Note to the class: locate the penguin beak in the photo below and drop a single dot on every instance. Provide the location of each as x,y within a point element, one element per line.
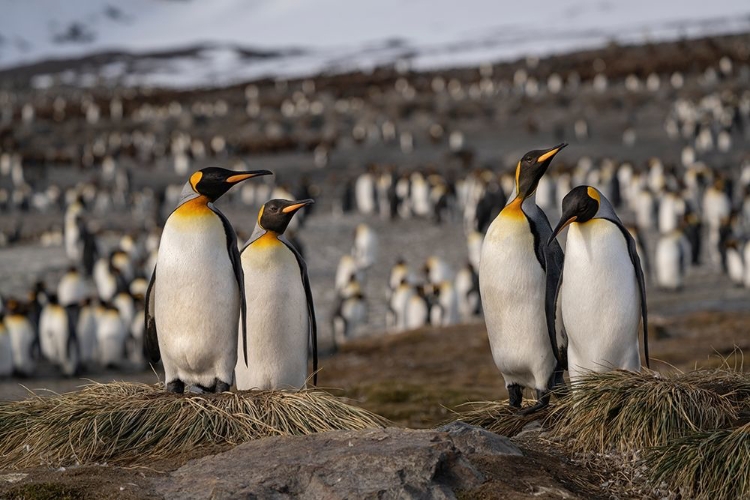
<point>560,226</point>
<point>297,206</point>
<point>234,179</point>
<point>550,153</point>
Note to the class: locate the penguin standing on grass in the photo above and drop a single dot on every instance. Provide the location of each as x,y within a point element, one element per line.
<point>282,314</point>
<point>517,278</point>
<point>602,293</point>
<point>197,292</point>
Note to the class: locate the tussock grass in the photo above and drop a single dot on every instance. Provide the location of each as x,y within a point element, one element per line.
<point>627,411</point>
<point>705,465</point>
<point>498,417</point>
<point>126,423</point>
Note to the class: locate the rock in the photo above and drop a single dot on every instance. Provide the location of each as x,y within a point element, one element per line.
<point>470,439</point>
<point>380,463</point>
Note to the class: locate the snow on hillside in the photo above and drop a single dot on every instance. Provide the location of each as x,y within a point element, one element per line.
<point>300,37</point>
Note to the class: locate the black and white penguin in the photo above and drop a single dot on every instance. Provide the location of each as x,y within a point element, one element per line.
<point>348,314</point>
<point>110,337</point>
<point>518,274</point>
<point>467,290</point>
<point>57,336</point>
<point>671,259</point>
<point>396,314</point>
<point>197,294</point>
<point>281,316</point>
<point>22,337</point>
<point>602,293</point>
<point>72,288</point>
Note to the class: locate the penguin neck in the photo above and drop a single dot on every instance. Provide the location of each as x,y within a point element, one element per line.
<point>263,237</point>
<point>518,208</point>
<point>193,206</point>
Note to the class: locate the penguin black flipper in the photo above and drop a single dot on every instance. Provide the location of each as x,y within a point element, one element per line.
<point>633,252</point>
<point>313,325</point>
<point>151,341</point>
<point>552,306</point>
<point>234,257</point>
<point>72,314</point>
<point>551,259</point>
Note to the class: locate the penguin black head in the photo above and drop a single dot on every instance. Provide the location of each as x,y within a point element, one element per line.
<point>532,167</point>
<point>580,205</point>
<point>275,215</point>
<point>213,182</point>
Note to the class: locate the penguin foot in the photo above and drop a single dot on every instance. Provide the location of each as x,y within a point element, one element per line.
<point>176,386</point>
<point>515,395</point>
<point>220,386</point>
<point>542,402</point>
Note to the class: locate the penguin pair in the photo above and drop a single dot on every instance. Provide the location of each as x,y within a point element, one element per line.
<point>197,294</point>
<point>590,320</point>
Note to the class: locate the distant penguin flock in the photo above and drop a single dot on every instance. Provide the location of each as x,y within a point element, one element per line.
<point>152,271</point>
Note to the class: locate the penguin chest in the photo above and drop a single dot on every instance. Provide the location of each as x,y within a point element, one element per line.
<point>196,295</point>
<point>512,286</point>
<point>277,320</point>
<point>600,299</point>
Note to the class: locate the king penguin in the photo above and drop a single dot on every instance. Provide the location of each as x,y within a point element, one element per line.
<point>517,278</point>
<point>602,293</point>
<point>282,314</point>
<point>197,292</point>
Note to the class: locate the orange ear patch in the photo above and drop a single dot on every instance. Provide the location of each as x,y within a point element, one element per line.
<point>195,179</point>
<point>593,193</point>
<point>260,213</point>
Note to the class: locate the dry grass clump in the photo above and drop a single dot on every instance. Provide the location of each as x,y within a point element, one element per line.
<point>734,385</point>
<point>498,417</point>
<point>627,411</point>
<point>125,423</point>
<point>705,465</point>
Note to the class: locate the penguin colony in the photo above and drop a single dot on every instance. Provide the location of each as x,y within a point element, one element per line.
<point>687,213</point>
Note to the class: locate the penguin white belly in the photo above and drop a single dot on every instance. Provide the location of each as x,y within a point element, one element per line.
<point>399,302</point>
<point>86,334</point>
<point>71,290</point>
<point>735,267</point>
<point>417,313</point>
<point>512,287</point>
<point>21,335</point>
<point>668,270</point>
<point>277,322</point>
<point>600,300</point>
<point>196,301</point>
<point>111,339</point>
<point>53,333</point>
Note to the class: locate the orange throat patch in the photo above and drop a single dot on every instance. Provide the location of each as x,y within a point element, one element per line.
<point>269,239</point>
<point>197,207</point>
<point>513,209</point>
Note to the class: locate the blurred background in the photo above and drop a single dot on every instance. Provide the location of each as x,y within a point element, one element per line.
<point>404,120</point>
